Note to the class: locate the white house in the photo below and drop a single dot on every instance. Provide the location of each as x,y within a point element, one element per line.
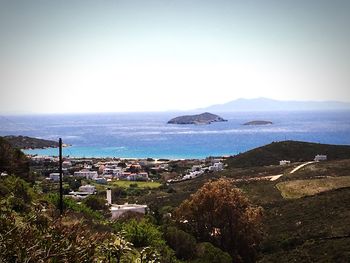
<point>118,210</point>
<point>112,172</point>
<point>192,175</point>
<point>216,167</point>
<point>284,162</point>
<point>138,177</point>
<point>66,164</point>
<point>320,157</point>
<point>86,173</point>
<point>87,188</point>
<point>54,177</point>
<point>78,195</point>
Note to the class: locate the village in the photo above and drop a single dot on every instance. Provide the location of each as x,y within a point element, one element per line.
<point>93,174</point>
<point>101,174</point>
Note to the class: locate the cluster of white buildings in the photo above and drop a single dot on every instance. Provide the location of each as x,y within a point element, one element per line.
<point>102,172</point>
<point>198,170</point>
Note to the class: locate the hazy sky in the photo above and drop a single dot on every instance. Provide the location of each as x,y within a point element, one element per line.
<point>146,55</point>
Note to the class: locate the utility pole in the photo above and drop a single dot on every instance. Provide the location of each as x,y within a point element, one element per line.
<point>60,167</point>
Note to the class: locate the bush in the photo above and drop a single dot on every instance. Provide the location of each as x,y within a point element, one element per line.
<point>207,253</point>
<point>71,204</point>
<point>143,233</point>
<point>96,203</point>
<point>181,242</point>
<point>39,238</point>
<point>17,192</point>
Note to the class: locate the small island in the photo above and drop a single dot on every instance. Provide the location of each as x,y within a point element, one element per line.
<point>204,118</point>
<point>258,123</point>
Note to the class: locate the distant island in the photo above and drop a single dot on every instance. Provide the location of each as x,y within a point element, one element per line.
<point>25,142</point>
<point>258,123</point>
<point>204,118</point>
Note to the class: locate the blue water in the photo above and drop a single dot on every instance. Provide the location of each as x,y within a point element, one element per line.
<point>140,135</point>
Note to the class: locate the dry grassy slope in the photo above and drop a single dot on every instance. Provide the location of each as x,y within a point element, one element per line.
<point>294,151</point>
<point>311,228</point>
<point>308,229</point>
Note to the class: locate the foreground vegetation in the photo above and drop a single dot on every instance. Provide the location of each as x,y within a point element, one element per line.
<point>218,217</point>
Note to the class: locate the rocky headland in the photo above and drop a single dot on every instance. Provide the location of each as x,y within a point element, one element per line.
<point>25,142</point>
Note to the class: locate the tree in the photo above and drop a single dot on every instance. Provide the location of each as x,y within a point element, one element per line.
<point>207,253</point>
<point>143,233</point>
<point>182,242</point>
<point>97,203</point>
<point>115,249</point>
<point>219,213</point>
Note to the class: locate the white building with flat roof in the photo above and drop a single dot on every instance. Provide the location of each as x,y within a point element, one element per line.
<point>284,162</point>
<point>118,210</point>
<point>86,173</point>
<point>54,177</point>
<point>320,157</point>
<point>216,167</point>
<point>87,188</point>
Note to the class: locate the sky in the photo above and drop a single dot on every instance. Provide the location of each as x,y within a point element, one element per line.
<point>163,55</point>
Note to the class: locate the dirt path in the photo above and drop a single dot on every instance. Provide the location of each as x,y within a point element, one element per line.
<point>301,166</point>
<point>275,177</point>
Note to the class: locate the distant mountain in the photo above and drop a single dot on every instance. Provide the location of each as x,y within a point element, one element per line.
<point>204,118</point>
<point>264,104</point>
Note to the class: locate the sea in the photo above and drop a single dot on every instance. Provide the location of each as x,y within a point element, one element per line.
<point>147,135</point>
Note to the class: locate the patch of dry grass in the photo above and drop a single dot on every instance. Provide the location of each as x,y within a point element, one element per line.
<point>300,188</point>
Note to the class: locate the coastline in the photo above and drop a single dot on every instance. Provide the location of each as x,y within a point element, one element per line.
<point>53,152</point>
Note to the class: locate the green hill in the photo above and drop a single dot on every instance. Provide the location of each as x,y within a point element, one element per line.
<point>295,151</point>
<point>25,142</point>
<point>12,160</point>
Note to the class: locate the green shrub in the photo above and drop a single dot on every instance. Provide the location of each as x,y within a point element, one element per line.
<point>71,204</point>
<point>18,193</point>
<point>207,253</point>
<point>181,242</point>
<point>143,233</point>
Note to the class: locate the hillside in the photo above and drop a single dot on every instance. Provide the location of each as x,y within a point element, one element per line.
<point>12,160</point>
<point>25,142</point>
<point>204,118</point>
<point>295,151</point>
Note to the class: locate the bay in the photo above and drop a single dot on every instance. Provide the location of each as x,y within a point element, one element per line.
<point>142,135</point>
